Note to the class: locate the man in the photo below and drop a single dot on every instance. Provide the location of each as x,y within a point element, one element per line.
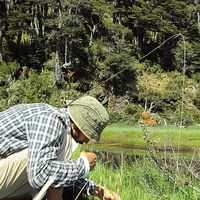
<point>36,142</point>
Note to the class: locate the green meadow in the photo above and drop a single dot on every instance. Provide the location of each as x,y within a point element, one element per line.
<point>133,137</point>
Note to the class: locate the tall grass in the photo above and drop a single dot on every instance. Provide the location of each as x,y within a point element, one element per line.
<point>140,180</point>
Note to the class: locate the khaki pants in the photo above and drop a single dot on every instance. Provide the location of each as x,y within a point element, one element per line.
<point>13,176</point>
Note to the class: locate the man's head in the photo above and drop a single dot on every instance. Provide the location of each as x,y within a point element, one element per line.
<point>78,136</point>
<point>88,116</point>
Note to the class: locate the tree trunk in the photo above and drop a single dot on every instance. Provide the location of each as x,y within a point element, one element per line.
<point>40,17</point>
<point>92,34</point>
<point>19,37</point>
<point>58,72</point>
<point>92,30</point>
<point>35,20</point>
<point>7,2</point>
<point>198,14</point>
<point>198,20</point>
<point>60,16</point>
<point>67,51</point>
<point>43,16</point>
<point>8,5</point>
<point>1,41</point>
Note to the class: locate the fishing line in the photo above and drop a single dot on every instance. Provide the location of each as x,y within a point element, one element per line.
<point>119,72</point>
<point>180,124</point>
<point>182,89</point>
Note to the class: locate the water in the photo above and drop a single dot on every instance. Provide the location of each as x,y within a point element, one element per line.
<point>117,155</point>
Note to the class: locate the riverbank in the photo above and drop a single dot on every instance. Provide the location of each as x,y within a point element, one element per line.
<point>136,176</point>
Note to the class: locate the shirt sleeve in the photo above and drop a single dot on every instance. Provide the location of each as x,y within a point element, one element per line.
<point>44,135</point>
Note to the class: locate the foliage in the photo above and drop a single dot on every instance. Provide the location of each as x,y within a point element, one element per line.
<point>35,88</point>
<point>8,72</point>
<point>124,81</point>
<point>167,93</point>
<point>32,87</point>
<point>192,59</point>
<point>133,113</point>
<point>53,50</point>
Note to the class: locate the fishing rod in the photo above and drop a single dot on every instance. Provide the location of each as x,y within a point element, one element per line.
<point>42,192</point>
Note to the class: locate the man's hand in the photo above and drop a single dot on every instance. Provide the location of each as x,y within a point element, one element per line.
<point>105,194</point>
<point>110,195</point>
<point>91,158</point>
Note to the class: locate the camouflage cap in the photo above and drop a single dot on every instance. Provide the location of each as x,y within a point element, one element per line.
<point>89,115</point>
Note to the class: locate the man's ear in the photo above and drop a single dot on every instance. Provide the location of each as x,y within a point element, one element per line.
<point>74,125</point>
<point>75,128</point>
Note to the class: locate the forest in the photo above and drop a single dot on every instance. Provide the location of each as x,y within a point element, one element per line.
<point>130,54</point>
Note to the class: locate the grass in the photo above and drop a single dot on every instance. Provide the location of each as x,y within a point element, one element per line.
<point>140,181</point>
<point>132,136</point>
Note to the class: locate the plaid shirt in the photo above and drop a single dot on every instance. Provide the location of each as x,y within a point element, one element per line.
<point>41,128</point>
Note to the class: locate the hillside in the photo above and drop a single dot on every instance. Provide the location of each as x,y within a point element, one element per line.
<point>129,54</point>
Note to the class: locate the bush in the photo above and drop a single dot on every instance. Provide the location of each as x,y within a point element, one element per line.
<point>130,115</point>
